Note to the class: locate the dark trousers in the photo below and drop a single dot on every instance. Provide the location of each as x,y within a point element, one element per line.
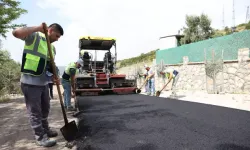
<point>51,90</point>
<point>38,106</point>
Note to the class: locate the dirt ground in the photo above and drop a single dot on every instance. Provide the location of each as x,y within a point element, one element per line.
<point>16,132</point>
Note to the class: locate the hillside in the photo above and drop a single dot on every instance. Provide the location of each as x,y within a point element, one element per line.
<point>227,30</point>
<point>148,57</point>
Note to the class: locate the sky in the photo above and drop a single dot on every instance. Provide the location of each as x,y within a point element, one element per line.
<point>136,25</point>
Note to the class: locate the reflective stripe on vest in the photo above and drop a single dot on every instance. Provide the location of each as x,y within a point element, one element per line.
<point>66,73</point>
<point>35,56</point>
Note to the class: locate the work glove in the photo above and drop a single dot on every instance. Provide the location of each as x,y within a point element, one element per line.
<point>57,81</point>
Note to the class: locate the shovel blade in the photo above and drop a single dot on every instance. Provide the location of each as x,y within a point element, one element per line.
<point>157,93</point>
<point>69,131</point>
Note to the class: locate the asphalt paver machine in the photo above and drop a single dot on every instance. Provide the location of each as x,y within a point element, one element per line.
<point>100,77</point>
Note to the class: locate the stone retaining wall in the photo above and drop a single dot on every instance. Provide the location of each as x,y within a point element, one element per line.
<point>233,78</point>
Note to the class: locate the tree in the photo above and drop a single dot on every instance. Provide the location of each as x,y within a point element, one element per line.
<point>228,31</point>
<point>9,68</point>
<point>248,26</point>
<point>198,28</point>
<point>9,74</point>
<point>9,11</point>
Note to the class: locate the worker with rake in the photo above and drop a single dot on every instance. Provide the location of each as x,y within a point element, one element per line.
<point>171,74</point>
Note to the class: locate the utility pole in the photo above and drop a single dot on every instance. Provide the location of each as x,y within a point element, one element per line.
<point>233,19</point>
<point>247,15</point>
<point>223,21</point>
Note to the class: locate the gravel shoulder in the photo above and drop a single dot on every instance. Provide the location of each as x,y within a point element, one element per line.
<point>15,131</point>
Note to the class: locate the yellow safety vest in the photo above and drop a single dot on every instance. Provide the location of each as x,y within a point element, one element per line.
<point>35,56</point>
<point>81,53</point>
<point>53,53</point>
<point>66,74</point>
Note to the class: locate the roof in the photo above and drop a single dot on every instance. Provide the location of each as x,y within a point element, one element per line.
<point>96,43</point>
<point>175,35</point>
<point>97,38</point>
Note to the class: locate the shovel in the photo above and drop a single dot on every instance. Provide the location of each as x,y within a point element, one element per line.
<point>69,130</point>
<point>159,92</point>
<point>139,90</point>
<point>77,112</point>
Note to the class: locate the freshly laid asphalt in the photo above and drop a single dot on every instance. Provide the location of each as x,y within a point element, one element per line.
<point>139,122</point>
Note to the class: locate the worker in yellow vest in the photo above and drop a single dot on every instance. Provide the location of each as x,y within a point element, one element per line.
<point>68,82</point>
<point>171,74</point>
<point>34,79</point>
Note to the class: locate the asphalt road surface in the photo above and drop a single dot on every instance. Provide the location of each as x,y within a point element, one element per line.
<point>139,122</point>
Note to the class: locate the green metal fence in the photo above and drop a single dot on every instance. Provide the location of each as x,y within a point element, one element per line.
<point>195,51</point>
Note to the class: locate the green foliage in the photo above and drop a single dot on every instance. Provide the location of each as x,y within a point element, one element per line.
<point>9,11</point>
<point>9,69</point>
<point>227,30</point>
<point>9,74</point>
<point>217,34</point>
<point>198,29</point>
<point>247,26</point>
<point>142,58</point>
<point>241,25</point>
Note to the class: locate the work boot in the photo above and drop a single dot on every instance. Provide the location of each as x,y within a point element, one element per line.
<point>45,141</point>
<point>173,94</point>
<point>51,133</point>
<point>71,108</point>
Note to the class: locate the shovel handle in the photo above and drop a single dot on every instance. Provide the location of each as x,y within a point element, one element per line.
<point>163,87</point>
<point>143,83</point>
<point>54,71</point>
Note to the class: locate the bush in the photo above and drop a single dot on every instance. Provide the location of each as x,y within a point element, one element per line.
<point>9,74</point>
<point>142,58</point>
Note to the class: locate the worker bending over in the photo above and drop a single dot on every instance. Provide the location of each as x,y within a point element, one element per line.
<point>34,79</point>
<point>68,82</point>
<point>150,80</point>
<point>171,74</point>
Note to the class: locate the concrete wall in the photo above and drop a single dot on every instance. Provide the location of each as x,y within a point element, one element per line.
<point>169,42</point>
